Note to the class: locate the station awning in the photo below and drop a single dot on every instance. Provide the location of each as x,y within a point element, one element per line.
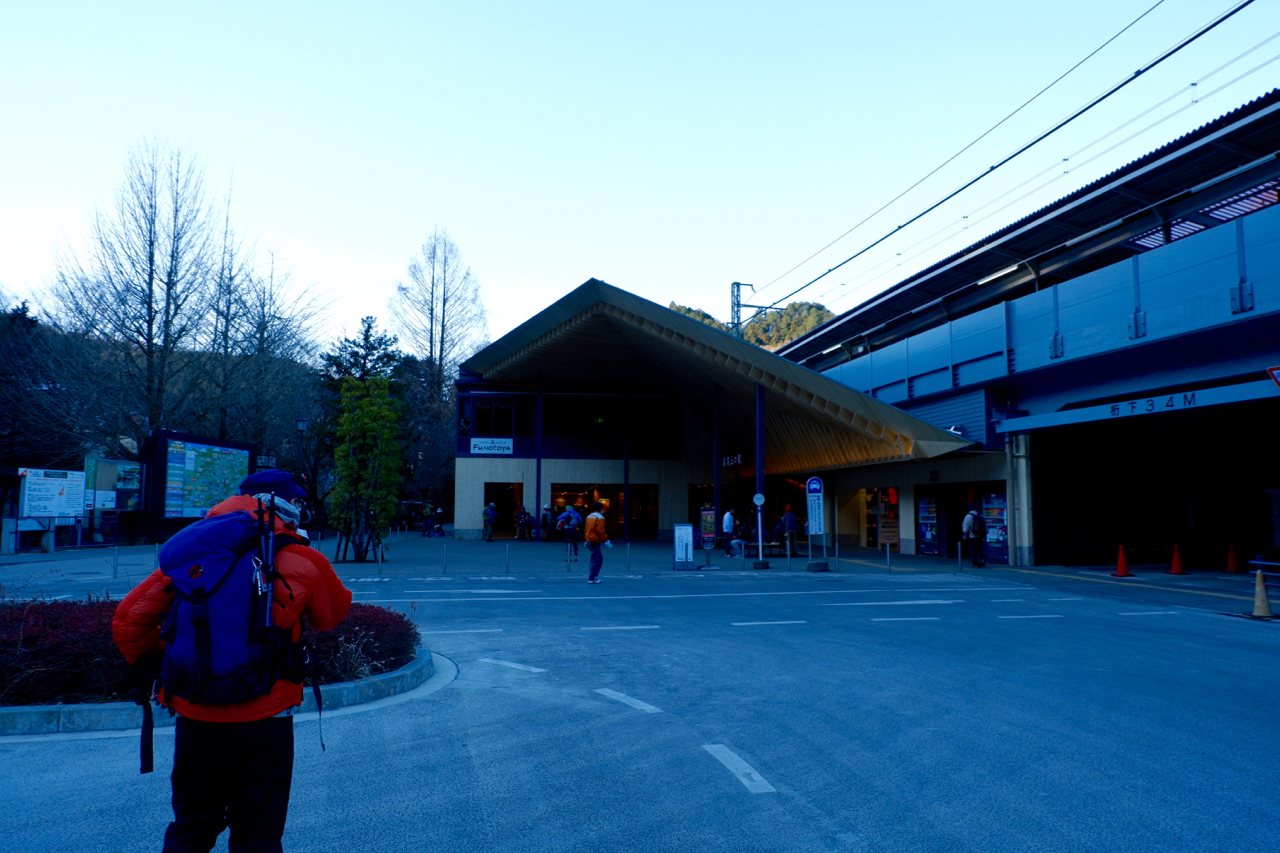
<point>600,335</point>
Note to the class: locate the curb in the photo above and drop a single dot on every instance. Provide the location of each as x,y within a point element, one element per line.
<point>108,716</point>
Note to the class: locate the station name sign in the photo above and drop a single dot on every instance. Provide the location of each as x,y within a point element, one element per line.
<point>504,446</point>
<point>1174,401</point>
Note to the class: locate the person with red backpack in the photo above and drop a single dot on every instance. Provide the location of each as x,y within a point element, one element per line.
<point>218,628</point>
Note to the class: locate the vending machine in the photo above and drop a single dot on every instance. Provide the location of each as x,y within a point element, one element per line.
<point>996,514</point>
<point>927,539</point>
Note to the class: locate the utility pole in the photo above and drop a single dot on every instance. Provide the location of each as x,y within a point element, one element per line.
<point>736,305</point>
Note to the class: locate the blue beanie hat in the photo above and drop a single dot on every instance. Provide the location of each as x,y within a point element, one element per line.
<point>275,481</point>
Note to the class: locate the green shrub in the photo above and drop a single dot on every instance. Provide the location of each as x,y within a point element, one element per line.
<point>55,652</point>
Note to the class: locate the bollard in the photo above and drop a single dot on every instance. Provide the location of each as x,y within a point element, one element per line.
<point>888,563</point>
<point>959,557</point>
<point>628,556</point>
<point>115,563</point>
<point>508,569</point>
<point>444,566</point>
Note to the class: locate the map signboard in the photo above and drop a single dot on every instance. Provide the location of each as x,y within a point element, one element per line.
<point>197,476</point>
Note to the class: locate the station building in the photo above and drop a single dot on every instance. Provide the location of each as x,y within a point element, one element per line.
<point>1113,356</point>
<point>1103,372</point>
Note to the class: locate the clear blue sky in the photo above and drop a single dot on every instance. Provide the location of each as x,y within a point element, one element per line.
<point>668,148</point>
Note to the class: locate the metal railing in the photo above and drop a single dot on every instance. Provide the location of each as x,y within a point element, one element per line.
<point>25,534</point>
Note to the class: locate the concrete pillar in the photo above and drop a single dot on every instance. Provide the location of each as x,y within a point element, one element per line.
<point>1020,476</point>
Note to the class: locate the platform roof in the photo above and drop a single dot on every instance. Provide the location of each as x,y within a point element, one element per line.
<point>600,335</point>
<point>1221,170</point>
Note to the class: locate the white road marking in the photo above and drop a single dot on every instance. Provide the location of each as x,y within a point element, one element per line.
<point>1047,616</point>
<point>469,631</point>
<point>745,772</point>
<point>512,665</point>
<point>905,619</point>
<point>367,580</point>
<point>692,594</point>
<point>474,591</point>
<point>622,628</point>
<point>886,603</point>
<point>627,700</point>
<point>1153,613</point>
<point>796,622</point>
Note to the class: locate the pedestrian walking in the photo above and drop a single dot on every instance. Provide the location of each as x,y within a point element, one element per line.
<point>597,540</point>
<point>523,522</point>
<point>184,629</point>
<point>726,527</point>
<point>974,531</point>
<point>569,524</point>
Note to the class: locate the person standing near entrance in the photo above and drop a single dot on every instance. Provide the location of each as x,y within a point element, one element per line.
<point>726,527</point>
<point>790,527</point>
<point>974,530</point>
<point>490,516</point>
<point>597,540</point>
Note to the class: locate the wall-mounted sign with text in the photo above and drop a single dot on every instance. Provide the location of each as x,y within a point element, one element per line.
<point>493,445</point>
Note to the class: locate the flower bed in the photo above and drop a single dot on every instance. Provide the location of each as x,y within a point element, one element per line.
<point>61,651</point>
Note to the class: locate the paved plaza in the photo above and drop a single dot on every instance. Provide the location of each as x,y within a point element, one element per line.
<point>915,708</point>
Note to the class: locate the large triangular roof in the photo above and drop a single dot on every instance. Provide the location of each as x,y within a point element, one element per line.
<point>603,335</point>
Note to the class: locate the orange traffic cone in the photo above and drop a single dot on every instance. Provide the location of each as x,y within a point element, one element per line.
<point>1261,607</point>
<point>1176,568</point>
<point>1232,567</point>
<point>1122,568</point>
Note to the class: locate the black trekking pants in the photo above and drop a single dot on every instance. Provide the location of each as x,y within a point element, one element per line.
<point>230,774</point>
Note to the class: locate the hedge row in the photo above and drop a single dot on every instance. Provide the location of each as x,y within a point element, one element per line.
<point>61,651</point>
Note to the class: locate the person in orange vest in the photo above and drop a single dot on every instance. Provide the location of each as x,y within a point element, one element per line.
<point>597,540</point>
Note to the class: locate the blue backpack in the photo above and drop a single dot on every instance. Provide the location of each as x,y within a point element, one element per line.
<point>220,644</point>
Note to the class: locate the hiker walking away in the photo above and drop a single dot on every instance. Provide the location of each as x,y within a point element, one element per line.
<point>233,742</point>
<point>568,524</point>
<point>547,523</point>
<point>490,516</point>
<point>597,540</point>
<point>790,527</point>
<point>974,530</point>
<point>726,527</point>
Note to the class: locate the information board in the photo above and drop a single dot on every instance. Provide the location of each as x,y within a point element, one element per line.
<point>682,538</point>
<point>46,493</point>
<point>197,476</point>
<point>708,528</point>
<point>817,516</point>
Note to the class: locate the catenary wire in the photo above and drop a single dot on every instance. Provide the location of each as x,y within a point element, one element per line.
<point>975,141</point>
<point>969,221</point>
<point>1063,123</point>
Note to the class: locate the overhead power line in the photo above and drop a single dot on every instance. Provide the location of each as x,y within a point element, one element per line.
<point>1086,108</point>
<point>978,139</point>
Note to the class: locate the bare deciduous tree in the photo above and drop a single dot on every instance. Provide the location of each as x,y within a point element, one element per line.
<point>144,282</point>
<point>439,313</point>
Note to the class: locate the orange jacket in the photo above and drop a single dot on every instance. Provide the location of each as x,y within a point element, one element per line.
<point>595,528</point>
<point>307,585</point>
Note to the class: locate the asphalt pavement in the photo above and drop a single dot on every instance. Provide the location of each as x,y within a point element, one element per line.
<point>916,708</point>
